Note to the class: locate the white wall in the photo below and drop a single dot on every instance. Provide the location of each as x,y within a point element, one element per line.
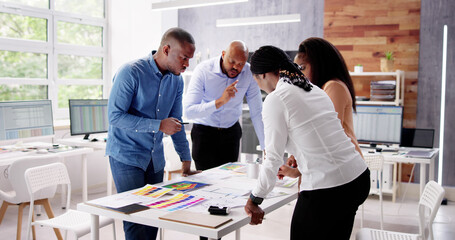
<point>135,30</point>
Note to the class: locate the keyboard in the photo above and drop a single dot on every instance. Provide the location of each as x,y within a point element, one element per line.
<point>390,149</point>
<point>384,148</point>
<point>60,149</point>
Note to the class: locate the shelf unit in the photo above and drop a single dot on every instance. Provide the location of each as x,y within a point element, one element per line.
<point>399,89</point>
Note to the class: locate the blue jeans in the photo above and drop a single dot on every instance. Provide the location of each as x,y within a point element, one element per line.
<point>126,178</point>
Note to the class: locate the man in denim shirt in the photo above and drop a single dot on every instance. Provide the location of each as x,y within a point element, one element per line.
<point>145,102</point>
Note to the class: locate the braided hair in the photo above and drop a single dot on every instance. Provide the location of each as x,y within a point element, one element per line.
<point>269,59</point>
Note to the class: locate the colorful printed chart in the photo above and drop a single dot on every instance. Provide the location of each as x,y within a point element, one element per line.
<point>152,191</point>
<point>231,166</point>
<point>185,185</point>
<point>178,202</point>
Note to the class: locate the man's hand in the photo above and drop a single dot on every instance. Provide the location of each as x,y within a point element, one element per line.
<point>255,212</point>
<point>170,126</point>
<point>228,93</point>
<point>186,169</point>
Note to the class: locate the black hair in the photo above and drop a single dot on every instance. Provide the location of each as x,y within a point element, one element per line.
<point>178,34</point>
<point>272,59</point>
<point>326,63</point>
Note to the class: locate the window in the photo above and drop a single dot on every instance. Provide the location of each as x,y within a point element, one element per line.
<point>52,49</point>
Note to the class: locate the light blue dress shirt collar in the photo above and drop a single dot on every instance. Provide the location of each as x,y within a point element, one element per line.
<point>208,83</point>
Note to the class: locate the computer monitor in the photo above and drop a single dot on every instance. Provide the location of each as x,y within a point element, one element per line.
<point>417,137</point>
<point>378,124</point>
<point>88,116</point>
<point>26,119</point>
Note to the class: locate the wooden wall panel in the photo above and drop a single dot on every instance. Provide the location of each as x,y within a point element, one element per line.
<point>364,29</point>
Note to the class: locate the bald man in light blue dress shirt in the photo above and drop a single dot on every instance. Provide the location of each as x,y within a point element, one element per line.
<point>214,103</point>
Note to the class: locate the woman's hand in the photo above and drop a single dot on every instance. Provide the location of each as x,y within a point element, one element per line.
<point>288,171</point>
<point>291,162</point>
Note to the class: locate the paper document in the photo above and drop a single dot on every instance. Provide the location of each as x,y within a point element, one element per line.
<point>209,177</point>
<point>232,166</point>
<point>184,186</point>
<point>286,182</point>
<point>420,154</point>
<point>140,196</point>
<point>203,220</point>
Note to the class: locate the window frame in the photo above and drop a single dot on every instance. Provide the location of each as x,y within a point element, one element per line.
<point>53,49</point>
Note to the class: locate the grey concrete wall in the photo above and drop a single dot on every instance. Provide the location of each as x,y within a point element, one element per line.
<point>201,23</point>
<point>434,14</point>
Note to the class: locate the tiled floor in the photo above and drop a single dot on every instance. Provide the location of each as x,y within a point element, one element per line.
<point>397,217</point>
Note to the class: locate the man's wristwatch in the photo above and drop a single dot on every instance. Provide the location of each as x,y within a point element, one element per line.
<point>256,200</point>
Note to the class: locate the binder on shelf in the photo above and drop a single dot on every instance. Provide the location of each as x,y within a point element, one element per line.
<point>382,90</point>
<point>387,176</point>
<point>383,85</point>
<point>382,97</point>
<point>374,181</point>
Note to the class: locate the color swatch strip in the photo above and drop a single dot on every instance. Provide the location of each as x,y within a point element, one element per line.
<point>179,201</point>
<point>152,191</point>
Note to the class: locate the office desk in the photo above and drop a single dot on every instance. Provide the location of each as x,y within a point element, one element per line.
<point>98,145</point>
<point>151,216</point>
<point>399,158</point>
<point>78,141</point>
<point>10,157</point>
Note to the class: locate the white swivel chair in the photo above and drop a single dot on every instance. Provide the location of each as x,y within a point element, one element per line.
<point>18,195</point>
<point>375,163</point>
<point>431,199</point>
<point>52,175</point>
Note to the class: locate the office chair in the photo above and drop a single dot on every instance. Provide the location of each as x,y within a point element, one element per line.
<point>18,195</point>
<point>52,175</point>
<point>431,199</point>
<point>375,163</point>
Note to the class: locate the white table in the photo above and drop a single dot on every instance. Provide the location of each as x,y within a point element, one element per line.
<point>10,157</point>
<point>151,217</point>
<point>99,145</point>
<point>78,141</point>
<point>399,158</point>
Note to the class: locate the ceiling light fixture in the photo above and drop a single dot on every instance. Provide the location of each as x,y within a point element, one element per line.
<point>229,22</point>
<point>178,4</point>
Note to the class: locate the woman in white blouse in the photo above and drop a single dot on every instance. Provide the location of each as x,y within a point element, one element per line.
<point>300,118</point>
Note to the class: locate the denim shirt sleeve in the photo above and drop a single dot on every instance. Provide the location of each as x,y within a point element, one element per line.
<point>122,93</point>
<point>254,99</point>
<point>181,144</point>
